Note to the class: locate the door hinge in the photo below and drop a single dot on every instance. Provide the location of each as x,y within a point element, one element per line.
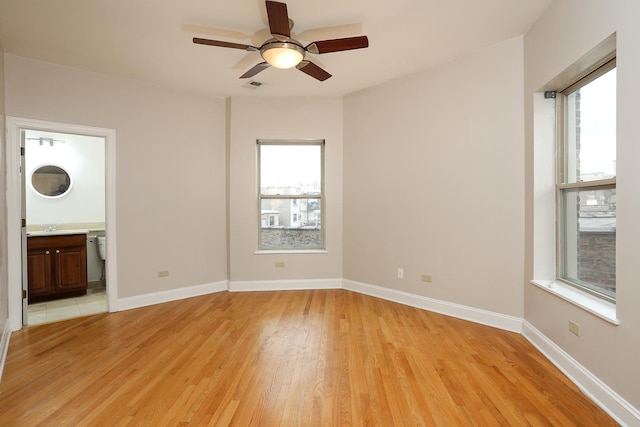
<point>24,294</point>
<point>23,223</point>
<point>22,151</point>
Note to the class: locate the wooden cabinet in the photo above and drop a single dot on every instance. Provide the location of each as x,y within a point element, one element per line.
<point>56,266</point>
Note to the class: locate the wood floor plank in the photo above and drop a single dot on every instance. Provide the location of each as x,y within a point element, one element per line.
<point>295,358</point>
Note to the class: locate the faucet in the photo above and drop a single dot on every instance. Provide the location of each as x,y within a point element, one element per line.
<point>50,227</point>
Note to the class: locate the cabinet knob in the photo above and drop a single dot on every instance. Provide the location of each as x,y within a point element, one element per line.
<point>57,251</point>
<point>46,252</point>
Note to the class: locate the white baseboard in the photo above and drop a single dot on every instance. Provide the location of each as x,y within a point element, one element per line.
<point>616,406</point>
<point>4,345</point>
<point>284,285</point>
<point>171,295</point>
<point>484,317</point>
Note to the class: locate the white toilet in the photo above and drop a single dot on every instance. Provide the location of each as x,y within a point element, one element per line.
<point>102,247</point>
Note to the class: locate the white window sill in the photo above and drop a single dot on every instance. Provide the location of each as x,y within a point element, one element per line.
<point>594,305</point>
<point>293,251</point>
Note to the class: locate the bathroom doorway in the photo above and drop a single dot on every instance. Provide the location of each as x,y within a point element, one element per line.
<point>62,188</point>
<point>64,194</point>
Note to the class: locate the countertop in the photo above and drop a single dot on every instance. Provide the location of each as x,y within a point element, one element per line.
<point>57,232</point>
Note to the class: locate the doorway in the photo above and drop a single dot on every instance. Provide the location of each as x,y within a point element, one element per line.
<point>21,192</point>
<point>64,196</point>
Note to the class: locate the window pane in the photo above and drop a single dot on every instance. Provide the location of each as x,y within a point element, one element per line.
<point>290,223</point>
<point>290,169</point>
<point>589,234</point>
<point>591,131</point>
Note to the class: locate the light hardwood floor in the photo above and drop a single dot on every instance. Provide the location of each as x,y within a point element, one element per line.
<point>295,358</point>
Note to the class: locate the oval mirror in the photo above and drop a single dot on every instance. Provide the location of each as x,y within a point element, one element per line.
<point>51,181</point>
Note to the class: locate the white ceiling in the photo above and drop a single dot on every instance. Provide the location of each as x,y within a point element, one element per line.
<point>150,40</point>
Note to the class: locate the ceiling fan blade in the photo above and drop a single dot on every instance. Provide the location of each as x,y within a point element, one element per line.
<point>215,32</point>
<point>256,39</point>
<point>278,19</point>
<point>255,70</point>
<point>218,43</point>
<point>344,30</point>
<point>245,62</point>
<point>338,45</point>
<point>313,70</point>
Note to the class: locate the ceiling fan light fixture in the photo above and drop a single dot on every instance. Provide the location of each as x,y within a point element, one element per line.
<point>282,54</point>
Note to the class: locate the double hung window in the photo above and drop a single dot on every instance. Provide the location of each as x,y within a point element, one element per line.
<point>586,183</point>
<point>291,195</point>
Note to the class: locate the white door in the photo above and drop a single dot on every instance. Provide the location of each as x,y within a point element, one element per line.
<point>23,231</point>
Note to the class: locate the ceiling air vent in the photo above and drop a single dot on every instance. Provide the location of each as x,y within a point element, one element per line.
<point>252,85</point>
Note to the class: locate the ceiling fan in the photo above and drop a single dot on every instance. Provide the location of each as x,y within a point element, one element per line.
<point>282,51</point>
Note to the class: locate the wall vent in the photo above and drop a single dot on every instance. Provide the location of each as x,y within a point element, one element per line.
<point>252,85</point>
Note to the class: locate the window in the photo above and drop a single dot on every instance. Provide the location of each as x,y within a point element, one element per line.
<point>291,195</point>
<point>586,184</point>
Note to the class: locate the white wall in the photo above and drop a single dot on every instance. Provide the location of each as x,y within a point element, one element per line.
<point>566,32</point>
<point>282,118</point>
<point>170,160</point>
<point>83,157</point>
<point>433,181</point>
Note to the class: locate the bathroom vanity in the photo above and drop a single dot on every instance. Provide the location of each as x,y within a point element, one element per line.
<point>56,266</point>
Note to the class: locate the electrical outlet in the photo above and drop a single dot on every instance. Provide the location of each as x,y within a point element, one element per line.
<point>163,273</point>
<point>401,273</point>
<point>427,278</point>
<point>574,328</point>
<point>279,264</point>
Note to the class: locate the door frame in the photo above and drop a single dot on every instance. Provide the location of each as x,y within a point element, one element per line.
<point>14,203</point>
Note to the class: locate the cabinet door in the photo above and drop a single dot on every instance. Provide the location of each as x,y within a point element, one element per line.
<point>39,272</point>
<point>71,268</point>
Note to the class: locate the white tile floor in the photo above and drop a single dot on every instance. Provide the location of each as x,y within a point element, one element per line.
<point>51,311</point>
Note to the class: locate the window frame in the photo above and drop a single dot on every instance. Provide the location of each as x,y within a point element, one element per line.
<point>562,186</point>
<point>294,197</point>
